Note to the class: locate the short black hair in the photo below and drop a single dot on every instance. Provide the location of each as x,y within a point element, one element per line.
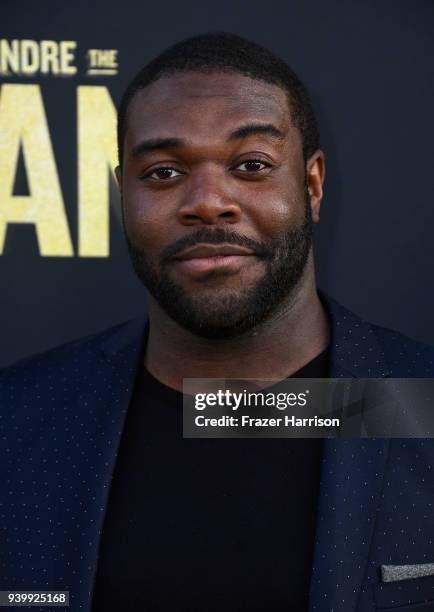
<point>228,53</point>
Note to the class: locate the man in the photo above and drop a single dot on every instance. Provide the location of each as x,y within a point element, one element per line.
<point>221,178</point>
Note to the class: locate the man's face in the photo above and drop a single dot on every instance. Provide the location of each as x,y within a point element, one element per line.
<point>216,210</point>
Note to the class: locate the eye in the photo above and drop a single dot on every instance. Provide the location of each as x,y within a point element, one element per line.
<point>252,165</point>
<point>163,173</point>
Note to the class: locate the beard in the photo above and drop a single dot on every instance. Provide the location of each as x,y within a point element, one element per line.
<point>228,313</point>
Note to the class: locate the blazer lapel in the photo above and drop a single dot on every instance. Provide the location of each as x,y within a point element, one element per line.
<point>351,477</point>
<point>121,355</point>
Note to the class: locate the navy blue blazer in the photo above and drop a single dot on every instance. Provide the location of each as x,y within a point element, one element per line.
<point>61,418</point>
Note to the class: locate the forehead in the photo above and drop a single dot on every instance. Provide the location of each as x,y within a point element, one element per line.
<point>190,104</point>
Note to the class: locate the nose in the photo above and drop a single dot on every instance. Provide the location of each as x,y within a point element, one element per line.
<point>208,201</point>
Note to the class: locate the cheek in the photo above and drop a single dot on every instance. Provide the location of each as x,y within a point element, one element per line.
<point>144,223</point>
<point>147,234</point>
<point>278,210</point>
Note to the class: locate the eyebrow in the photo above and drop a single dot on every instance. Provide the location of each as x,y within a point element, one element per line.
<point>250,129</point>
<point>253,129</point>
<point>155,144</point>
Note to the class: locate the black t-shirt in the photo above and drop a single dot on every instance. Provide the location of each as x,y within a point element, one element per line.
<point>206,524</point>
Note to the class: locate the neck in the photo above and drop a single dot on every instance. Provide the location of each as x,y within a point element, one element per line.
<point>293,336</point>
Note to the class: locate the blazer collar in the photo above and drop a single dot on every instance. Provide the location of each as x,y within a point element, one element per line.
<point>355,350</point>
<point>130,338</point>
<point>351,478</point>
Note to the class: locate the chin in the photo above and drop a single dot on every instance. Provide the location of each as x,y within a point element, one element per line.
<point>210,331</point>
<point>211,320</point>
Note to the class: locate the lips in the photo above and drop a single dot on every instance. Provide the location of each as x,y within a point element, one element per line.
<point>212,250</point>
<point>203,258</point>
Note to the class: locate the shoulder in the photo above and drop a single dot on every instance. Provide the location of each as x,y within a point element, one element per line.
<point>371,350</point>
<point>72,358</point>
<point>406,357</point>
<point>69,384</point>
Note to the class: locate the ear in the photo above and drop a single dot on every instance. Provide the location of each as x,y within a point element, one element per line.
<point>315,173</point>
<point>118,174</point>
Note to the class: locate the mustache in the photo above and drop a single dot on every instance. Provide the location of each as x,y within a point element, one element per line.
<point>217,236</point>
